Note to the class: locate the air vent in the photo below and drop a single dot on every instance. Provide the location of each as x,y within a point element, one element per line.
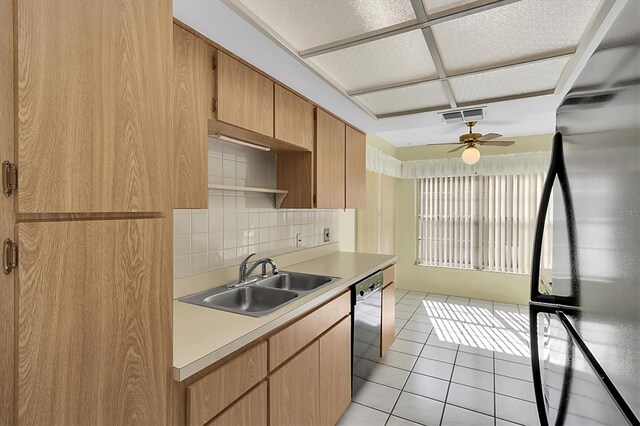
<point>463,115</point>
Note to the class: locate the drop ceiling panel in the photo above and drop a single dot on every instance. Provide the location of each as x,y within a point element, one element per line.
<point>309,23</point>
<point>512,32</point>
<point>437,6</point>
<point>420,96</point>
<point>520,79</point>
<point>389,60</point>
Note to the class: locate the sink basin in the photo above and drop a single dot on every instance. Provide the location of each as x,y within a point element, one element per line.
<point>261,296</point>
<point>295,281</point>
<point>248,300</point>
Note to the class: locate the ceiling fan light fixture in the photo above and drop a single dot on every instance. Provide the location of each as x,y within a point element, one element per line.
<point>471,155</point>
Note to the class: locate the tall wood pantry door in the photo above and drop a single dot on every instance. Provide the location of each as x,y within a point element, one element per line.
<point>94,322</point>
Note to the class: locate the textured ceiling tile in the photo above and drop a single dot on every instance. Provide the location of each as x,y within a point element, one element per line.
<point>515,31</point>
<point>425,95</point>
<point>437,6</point>
<point>516,80</point>
<point>385,61</point>
<point>309,23</point>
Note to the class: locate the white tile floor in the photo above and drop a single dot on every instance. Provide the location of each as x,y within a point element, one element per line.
<point>455,361</point>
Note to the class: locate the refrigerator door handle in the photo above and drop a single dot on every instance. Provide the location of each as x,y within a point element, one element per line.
<point>556,169</point>
<point>535,363</point>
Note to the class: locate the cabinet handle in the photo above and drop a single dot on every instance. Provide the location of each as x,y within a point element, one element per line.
<point>9,178</point>
<point>9,256</point>
<point>214,105</point>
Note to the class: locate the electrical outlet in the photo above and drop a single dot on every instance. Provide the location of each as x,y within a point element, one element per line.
<point>298,239</point>
<point>327,235</point>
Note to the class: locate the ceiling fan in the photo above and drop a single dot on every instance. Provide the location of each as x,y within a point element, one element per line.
<point>468,142</point>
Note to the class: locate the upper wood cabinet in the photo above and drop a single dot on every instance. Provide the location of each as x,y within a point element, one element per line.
<point>329,161</point>
<point>192,91</point>
<point>355,169</point>
<point>293,118</point>
<point>94,317</point>
<point>244,97</point>
<point>93,116</point>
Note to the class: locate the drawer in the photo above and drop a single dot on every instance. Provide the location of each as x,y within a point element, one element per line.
<point>213,393</point>
<point>388,275</point>
<point>293,338</point>
<point>250,410</point>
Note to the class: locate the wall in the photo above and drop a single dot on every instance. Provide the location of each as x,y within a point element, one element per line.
<point>503,287</point>
<point>347,230</point>
<point>238,223</point>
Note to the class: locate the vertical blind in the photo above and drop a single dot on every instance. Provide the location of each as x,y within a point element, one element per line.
<point>481,222</point>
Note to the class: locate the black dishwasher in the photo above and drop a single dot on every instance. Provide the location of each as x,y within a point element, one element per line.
<point>367,317</point>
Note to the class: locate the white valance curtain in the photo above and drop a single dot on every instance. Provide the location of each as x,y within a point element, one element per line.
<point>383,163</point>
<point>490,165</point>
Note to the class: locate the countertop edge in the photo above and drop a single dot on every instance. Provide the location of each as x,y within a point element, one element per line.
<point>182,373</point>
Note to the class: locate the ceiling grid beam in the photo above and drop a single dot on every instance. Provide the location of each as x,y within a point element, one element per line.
<point>470,9</point>
<point>502,66</point>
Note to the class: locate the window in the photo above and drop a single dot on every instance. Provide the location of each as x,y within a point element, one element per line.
<point>481,222</point>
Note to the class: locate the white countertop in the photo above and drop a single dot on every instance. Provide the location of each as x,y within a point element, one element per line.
<point>202,336</point>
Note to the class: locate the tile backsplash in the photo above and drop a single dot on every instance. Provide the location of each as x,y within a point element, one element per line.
<point>241,222</point>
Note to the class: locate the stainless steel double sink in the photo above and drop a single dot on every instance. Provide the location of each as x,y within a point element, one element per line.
<point>261,296</point>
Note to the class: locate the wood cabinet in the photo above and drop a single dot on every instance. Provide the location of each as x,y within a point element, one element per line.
<point>7,217</point>
<point>94,322</point>
<point>93,105</point>
<point>388,320</point>
<point>291,339</point>
<point>335,372</point>
<point>294,122</point>
<point>355,169</point>
<point>295,390</point>
<point>244,97</point>
<point>192,93</point>
<point>213,393</point>
<point>250,410</point>
<point>329,161</point>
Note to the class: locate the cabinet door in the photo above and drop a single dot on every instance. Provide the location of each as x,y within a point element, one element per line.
<point>293,118</point>
<point>388,332</point>
<point>294,390</point>
<point>245,97</point>
<point>7,217</point>
<point>192,92</point>
<point>94,322</point>
<point>93,81</point>
<point>250,410</point>
<point>335,372</point>
<point>329,155</point>
<point>355,169</point>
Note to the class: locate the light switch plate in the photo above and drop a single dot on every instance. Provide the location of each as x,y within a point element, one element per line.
<point>327,235</point>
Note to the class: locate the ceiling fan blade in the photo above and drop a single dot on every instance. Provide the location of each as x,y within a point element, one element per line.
<point>452,143</point>
<point>489,136</point>
<point>458,148</point>
<point>497,143</point>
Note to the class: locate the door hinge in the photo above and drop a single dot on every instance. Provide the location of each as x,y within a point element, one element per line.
<point>9,256</point>
<point>9,178</point>
<point>214,105</point>
<point>214,62</point>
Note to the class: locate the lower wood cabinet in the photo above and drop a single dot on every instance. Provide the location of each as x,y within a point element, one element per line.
<point>250,410</point>
<point>295,390</point>
<point>335,372</point>
<point>388,320</point>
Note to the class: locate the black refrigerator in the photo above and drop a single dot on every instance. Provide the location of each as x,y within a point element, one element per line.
<point>585,328</point>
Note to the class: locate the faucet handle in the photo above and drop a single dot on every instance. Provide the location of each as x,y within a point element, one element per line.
<point>246,259</point>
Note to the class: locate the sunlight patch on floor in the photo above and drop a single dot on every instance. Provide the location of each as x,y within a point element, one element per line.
<point>478,327</point>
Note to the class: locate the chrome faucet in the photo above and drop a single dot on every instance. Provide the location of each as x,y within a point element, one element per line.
<point>245,271</point>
